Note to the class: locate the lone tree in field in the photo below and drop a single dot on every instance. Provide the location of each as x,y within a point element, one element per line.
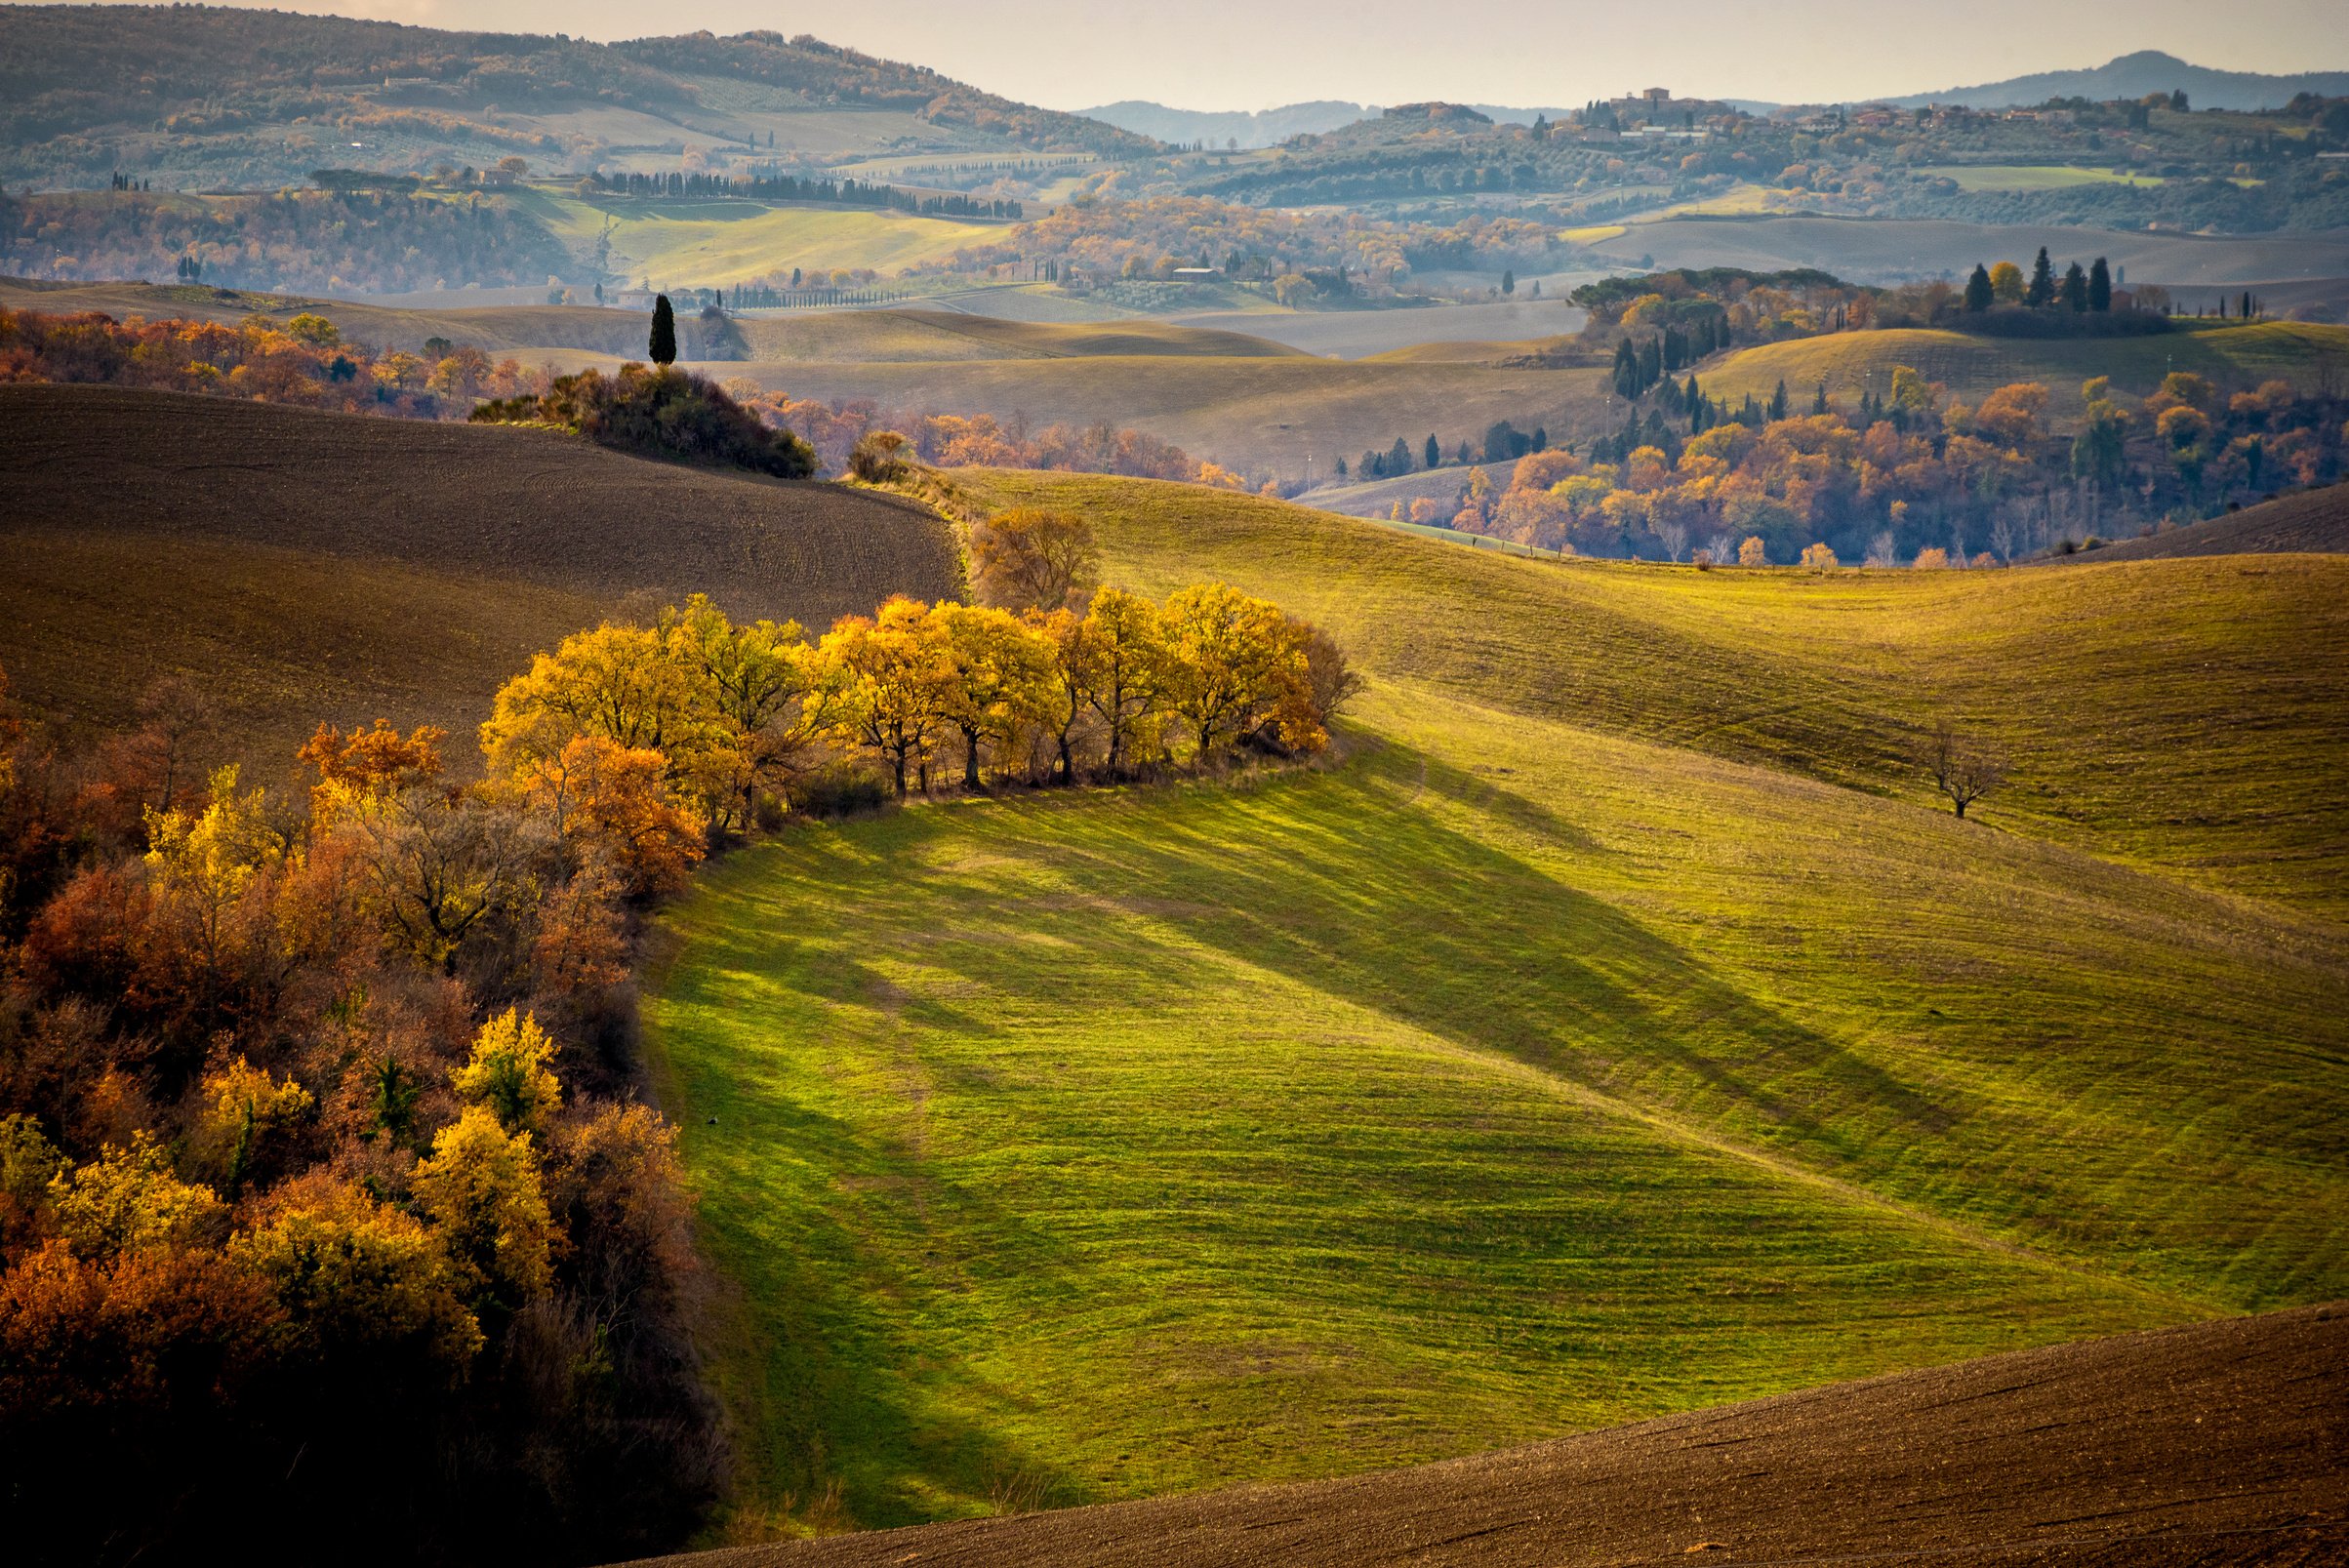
<point>1029,558</point>
<point>664,346</point>
<point>1963,768</point>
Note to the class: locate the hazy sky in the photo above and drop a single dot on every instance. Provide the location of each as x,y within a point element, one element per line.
<point>1254,54</point>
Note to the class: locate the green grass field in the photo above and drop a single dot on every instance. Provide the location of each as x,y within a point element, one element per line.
<point>709,244</point>
<point>2231,354</point>
<point>2032,177</point>
<point>1613,1028</point>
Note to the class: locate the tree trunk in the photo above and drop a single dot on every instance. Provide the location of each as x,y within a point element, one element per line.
<point>970,760</point>
<point>1067,764</point>
<point>898,761</point>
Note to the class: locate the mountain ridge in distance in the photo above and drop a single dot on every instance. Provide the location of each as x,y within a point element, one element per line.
<point>2128,76</point>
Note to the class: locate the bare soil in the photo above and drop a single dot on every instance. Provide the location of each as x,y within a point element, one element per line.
<point>2218,1444</point>
<point>2315,522</point>
<point>299,567</point>
<point>527,505</point>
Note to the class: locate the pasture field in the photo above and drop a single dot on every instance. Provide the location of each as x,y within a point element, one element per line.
<point>1613,1028</point>
<point>916,336</point>
<point>2032,177</point>
<point>2232,355</point>
<point>1260,414</point>
<point>711,244</point>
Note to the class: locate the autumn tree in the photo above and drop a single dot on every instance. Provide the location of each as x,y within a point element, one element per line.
<point>509,1072</point>
<point>609,801</point>
<point>1961,767</point>
<point>480,1194</point>
<point>1126,668</point>
<point>1032,558</point>
<point>765,697</point>
<point>1233,665</point>
<point>899,685</point>
<point>1000,677</point>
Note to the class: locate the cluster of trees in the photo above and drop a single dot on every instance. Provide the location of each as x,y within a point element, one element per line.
<point>1502,442</point>
<point>1673,319</point>
<point>1098,238</point>
<point>657,411</point>
<point>1910,474</point>
<point>303,361</point>
<point>772,185</point>
<point>834,428</point>
<point>324,1194</point>
<point>301,240</point>
<point>2079,291</point>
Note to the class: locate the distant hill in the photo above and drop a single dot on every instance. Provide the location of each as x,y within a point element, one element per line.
<point>197,97</point>
<point>1267,128</point>
<point>2149,71</point>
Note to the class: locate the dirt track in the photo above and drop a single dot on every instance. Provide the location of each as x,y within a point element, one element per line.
<point>2222,1443</point>
<point>2315,521</point>
<point>521,506</point>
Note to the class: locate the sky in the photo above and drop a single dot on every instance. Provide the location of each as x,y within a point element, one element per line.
<point>1257,53</point>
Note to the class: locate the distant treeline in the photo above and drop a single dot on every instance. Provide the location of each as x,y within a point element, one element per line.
<point>776,187</point>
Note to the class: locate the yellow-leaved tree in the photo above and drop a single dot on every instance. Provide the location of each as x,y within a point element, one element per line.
<point>509,1072</point>
<point>481,1195</point>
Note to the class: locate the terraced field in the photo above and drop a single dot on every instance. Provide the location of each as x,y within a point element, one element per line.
<point>1614,1028</point>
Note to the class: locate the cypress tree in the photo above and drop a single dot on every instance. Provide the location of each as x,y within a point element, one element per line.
<point>1398,457</point>
<point>664,346</point>
<point>2075,288</point>
<point>2100,286</point>
<point>1434,453</point>
<point>2041,292</point>
<point>1627,369</point>
<point>1778,402</point>
<point>1977,289</point>
<point>1818,404</point>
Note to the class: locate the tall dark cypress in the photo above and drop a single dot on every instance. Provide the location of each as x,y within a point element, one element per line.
<point>2100,286</point>
<point>2075,288</point>
<point>1977,289</point>
<point>664,346</point>
<point>2041,292</point>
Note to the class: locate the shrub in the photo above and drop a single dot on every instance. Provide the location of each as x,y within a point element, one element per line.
<point>658,413</point>
<point>878,457</point>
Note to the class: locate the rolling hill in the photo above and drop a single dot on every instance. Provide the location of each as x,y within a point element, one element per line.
<point>303,567</point>
<point>2236,356</point>
<point>2314,522</point>
<point>2133,76</point>
<point>200,98</point>
<point>1614,1029</point>
<point>2215,1445</point>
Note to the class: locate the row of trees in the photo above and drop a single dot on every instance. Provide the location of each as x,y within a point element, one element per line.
<point>771,185</point>
<point>1074,683</point>
<point>2076,291</point>
<point>302,361</point>
<point>1502,442</point>
<point>324,1195</point>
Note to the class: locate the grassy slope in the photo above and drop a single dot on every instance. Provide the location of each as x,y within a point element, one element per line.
<point>888,335</point>
<point>709,244</point>
<point>2108,683</point>
<point>2234,356</point>
<point>1254,413</point>
<point>1517,1074</point>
